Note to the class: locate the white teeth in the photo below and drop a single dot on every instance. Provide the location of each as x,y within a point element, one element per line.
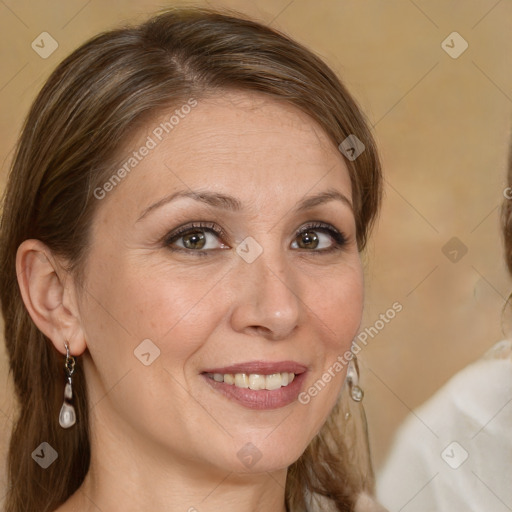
<point>229,379</point>
<point>241,380</point>
<point>273,381</point>
<point>255,381</point>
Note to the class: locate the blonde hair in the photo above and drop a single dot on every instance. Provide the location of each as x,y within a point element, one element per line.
<point>70,141</point>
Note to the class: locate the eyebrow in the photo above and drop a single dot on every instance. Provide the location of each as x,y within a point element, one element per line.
<point>231,203</point>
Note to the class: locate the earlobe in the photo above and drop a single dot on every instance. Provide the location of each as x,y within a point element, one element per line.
<point>46,290</point>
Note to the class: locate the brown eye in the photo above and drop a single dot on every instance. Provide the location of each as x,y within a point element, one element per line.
<point>197,238</point>
<point>194,240</point>
<point>307,240</point>
<point>318,237</point>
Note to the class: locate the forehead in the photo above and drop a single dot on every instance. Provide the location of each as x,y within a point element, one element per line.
<point>244,144</point>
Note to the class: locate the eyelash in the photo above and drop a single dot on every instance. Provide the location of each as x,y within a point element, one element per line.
<point>338,237</point>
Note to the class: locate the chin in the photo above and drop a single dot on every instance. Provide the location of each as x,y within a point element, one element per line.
<point>266,457</point>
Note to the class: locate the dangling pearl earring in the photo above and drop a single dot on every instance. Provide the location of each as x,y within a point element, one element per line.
<point>356,392</point>
<point>67,416</point>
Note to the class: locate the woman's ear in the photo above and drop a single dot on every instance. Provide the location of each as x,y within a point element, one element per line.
<point>49,294</point>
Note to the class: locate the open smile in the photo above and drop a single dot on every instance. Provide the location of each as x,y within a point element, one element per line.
<point>258,385</point>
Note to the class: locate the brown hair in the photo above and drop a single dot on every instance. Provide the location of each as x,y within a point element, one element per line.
<point>71,139</point>
<point>506,215</point>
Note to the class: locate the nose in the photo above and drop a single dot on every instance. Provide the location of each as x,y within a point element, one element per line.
<point>267,301</point>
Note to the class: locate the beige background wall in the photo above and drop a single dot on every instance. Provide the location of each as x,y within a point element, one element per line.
<point>443,128</point>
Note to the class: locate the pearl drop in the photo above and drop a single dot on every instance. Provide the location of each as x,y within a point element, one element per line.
<point>67,415</point>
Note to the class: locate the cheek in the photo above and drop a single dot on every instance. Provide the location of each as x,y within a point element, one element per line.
<point>130,301</point>
<point>336,310</point>
<point>338,304</point>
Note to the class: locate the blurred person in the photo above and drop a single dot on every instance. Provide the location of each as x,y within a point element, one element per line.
<point>455,451</point>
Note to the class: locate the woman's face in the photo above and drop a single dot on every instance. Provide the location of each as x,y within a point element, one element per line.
<point>231,246</point>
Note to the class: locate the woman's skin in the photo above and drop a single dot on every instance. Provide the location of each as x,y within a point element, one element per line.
<point>162,438</point>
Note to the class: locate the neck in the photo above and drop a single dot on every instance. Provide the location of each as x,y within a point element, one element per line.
<point>129,477</point>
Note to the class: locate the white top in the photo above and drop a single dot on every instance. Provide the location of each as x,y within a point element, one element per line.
<point>454,453</point>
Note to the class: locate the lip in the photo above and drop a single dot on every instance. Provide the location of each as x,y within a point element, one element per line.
<point>263,399</point>
<point>261,367</point>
